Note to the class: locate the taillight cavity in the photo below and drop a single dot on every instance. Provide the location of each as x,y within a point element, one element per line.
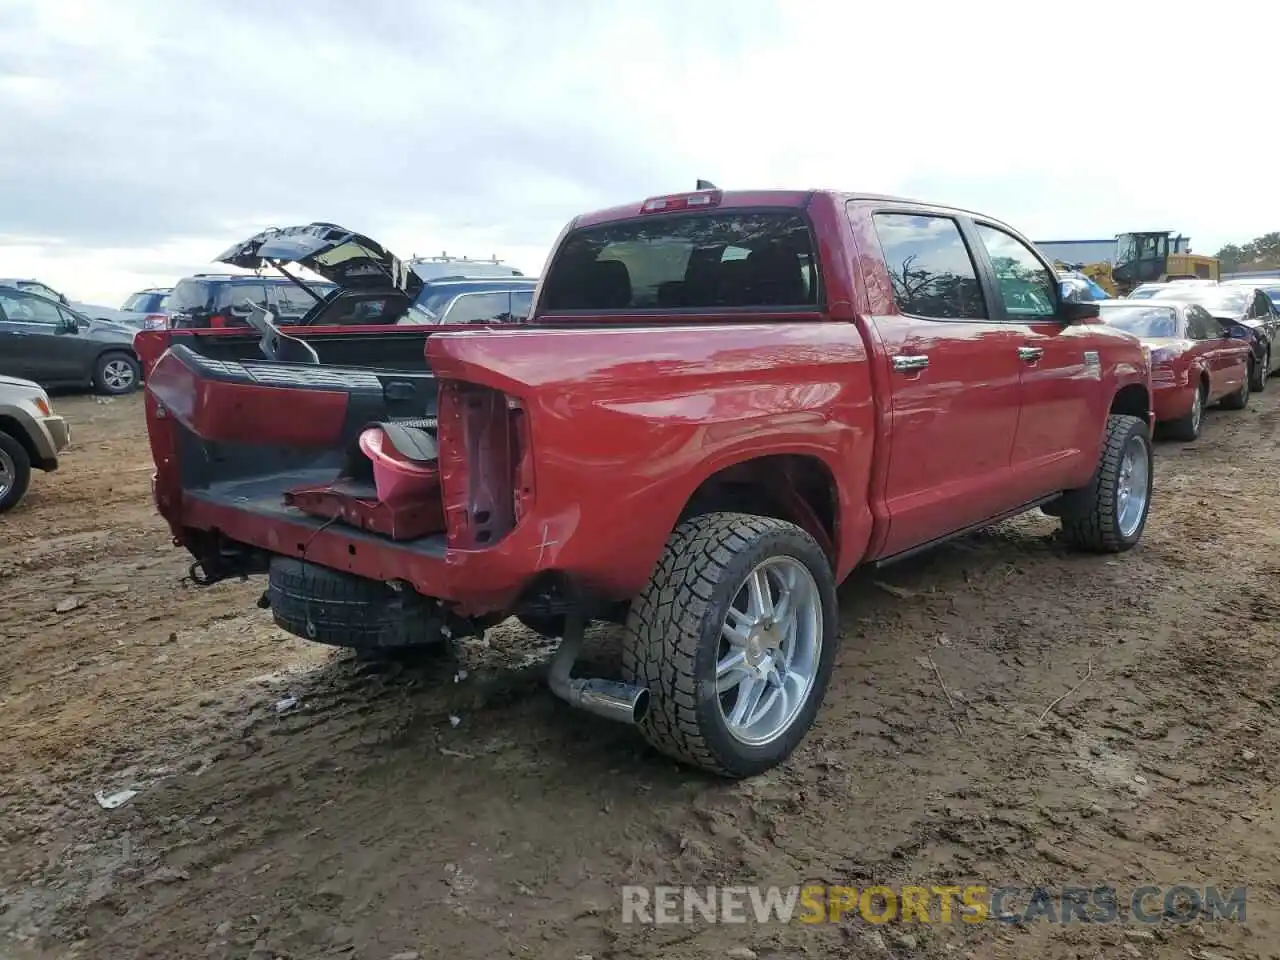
<point>477,455</point>
<point>521,459</point>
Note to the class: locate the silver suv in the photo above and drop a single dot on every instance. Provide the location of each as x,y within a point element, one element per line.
<point>31,436</point>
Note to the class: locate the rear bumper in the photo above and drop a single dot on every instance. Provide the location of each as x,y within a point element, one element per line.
<point>473,582</point>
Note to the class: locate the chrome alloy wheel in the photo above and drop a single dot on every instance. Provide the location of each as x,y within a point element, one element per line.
<point>770,647</point>
<point>1134,484</point>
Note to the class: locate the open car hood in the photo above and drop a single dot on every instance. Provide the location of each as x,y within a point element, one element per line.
<point>341,256</point>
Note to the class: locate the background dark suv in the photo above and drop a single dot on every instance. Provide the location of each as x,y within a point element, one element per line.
<point>44,340</point>
<point>217,299</point>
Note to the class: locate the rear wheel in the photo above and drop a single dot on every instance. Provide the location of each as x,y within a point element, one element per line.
<point>734,638</point>
<point>1188,428</point>
<point>15,472</point>
<point>1109,514</point>
<point>117,373</point>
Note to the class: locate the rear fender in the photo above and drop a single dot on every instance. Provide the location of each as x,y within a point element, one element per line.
<point>626,424</point>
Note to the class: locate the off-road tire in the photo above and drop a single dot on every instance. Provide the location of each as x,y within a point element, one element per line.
<point>1240,399</point>
<point>672,635</point>
<point>342,610</point>
<point>1261,373</point>
<point>1187,428</point>
<point>1089,514</point>
<point>100,368</point>
<point>16,453</point>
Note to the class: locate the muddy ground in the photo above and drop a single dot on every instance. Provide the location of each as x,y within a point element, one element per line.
<point>418,811</point>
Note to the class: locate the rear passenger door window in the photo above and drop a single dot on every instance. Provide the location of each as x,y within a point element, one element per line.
<point>929,264</point>
<point>1026,286</point>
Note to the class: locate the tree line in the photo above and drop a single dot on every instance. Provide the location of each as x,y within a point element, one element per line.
<point>1260,253</point>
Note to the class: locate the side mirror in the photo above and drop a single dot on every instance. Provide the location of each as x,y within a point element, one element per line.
<point>70,324</point>
<point>1237,332</point>
<point>1078,311</point>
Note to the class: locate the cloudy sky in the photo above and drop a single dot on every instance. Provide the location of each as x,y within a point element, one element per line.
<point>144,136</point>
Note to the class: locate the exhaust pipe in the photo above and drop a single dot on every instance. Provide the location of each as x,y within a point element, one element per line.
<point>624,702</point>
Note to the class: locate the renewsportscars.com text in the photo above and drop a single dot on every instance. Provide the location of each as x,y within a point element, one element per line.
<point>932,904</point>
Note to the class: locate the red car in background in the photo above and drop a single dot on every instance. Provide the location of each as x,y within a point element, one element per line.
<point>1195,360</point>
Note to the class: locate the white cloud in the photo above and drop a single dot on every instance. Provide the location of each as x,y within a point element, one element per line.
<point>153,136</point>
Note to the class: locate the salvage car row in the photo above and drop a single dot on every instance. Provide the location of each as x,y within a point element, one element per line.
<point>47,338</point>
<point>49,341</point>
<point>1210,343</point>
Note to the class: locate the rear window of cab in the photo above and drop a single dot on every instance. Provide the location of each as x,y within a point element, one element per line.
<point>745,260</point>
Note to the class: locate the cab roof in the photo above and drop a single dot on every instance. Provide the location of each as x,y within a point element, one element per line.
<point>738,199</point>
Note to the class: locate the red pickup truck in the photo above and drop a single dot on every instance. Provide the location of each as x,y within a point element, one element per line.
<point>721,404</point>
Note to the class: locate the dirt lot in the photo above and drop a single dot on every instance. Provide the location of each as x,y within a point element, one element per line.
<point>420,811</point>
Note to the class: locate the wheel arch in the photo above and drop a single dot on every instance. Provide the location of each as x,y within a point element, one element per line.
<point>797,487</point>
<point>125,348</point>
<point>14,428</point>
<point>1132,400</point>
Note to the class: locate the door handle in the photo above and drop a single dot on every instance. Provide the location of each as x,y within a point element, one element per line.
<point>1031,354</point>
<point>914,361</point>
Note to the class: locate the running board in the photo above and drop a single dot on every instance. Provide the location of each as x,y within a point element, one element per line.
<point>971,528</point>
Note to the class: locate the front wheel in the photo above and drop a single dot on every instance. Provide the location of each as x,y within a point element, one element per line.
<point>1260,373</point>
<point>734,637</point>
<point>116,374</point>
<point>1240,399</point>
<point>15,472</point>
<point>1188,428</point>
<point>1109,514</point>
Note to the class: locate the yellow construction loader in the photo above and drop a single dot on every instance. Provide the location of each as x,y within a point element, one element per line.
<point>1099,273</point>
<point>1157,257</point>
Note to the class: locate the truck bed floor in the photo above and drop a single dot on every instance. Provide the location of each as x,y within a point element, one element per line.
<point>262,496</point>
